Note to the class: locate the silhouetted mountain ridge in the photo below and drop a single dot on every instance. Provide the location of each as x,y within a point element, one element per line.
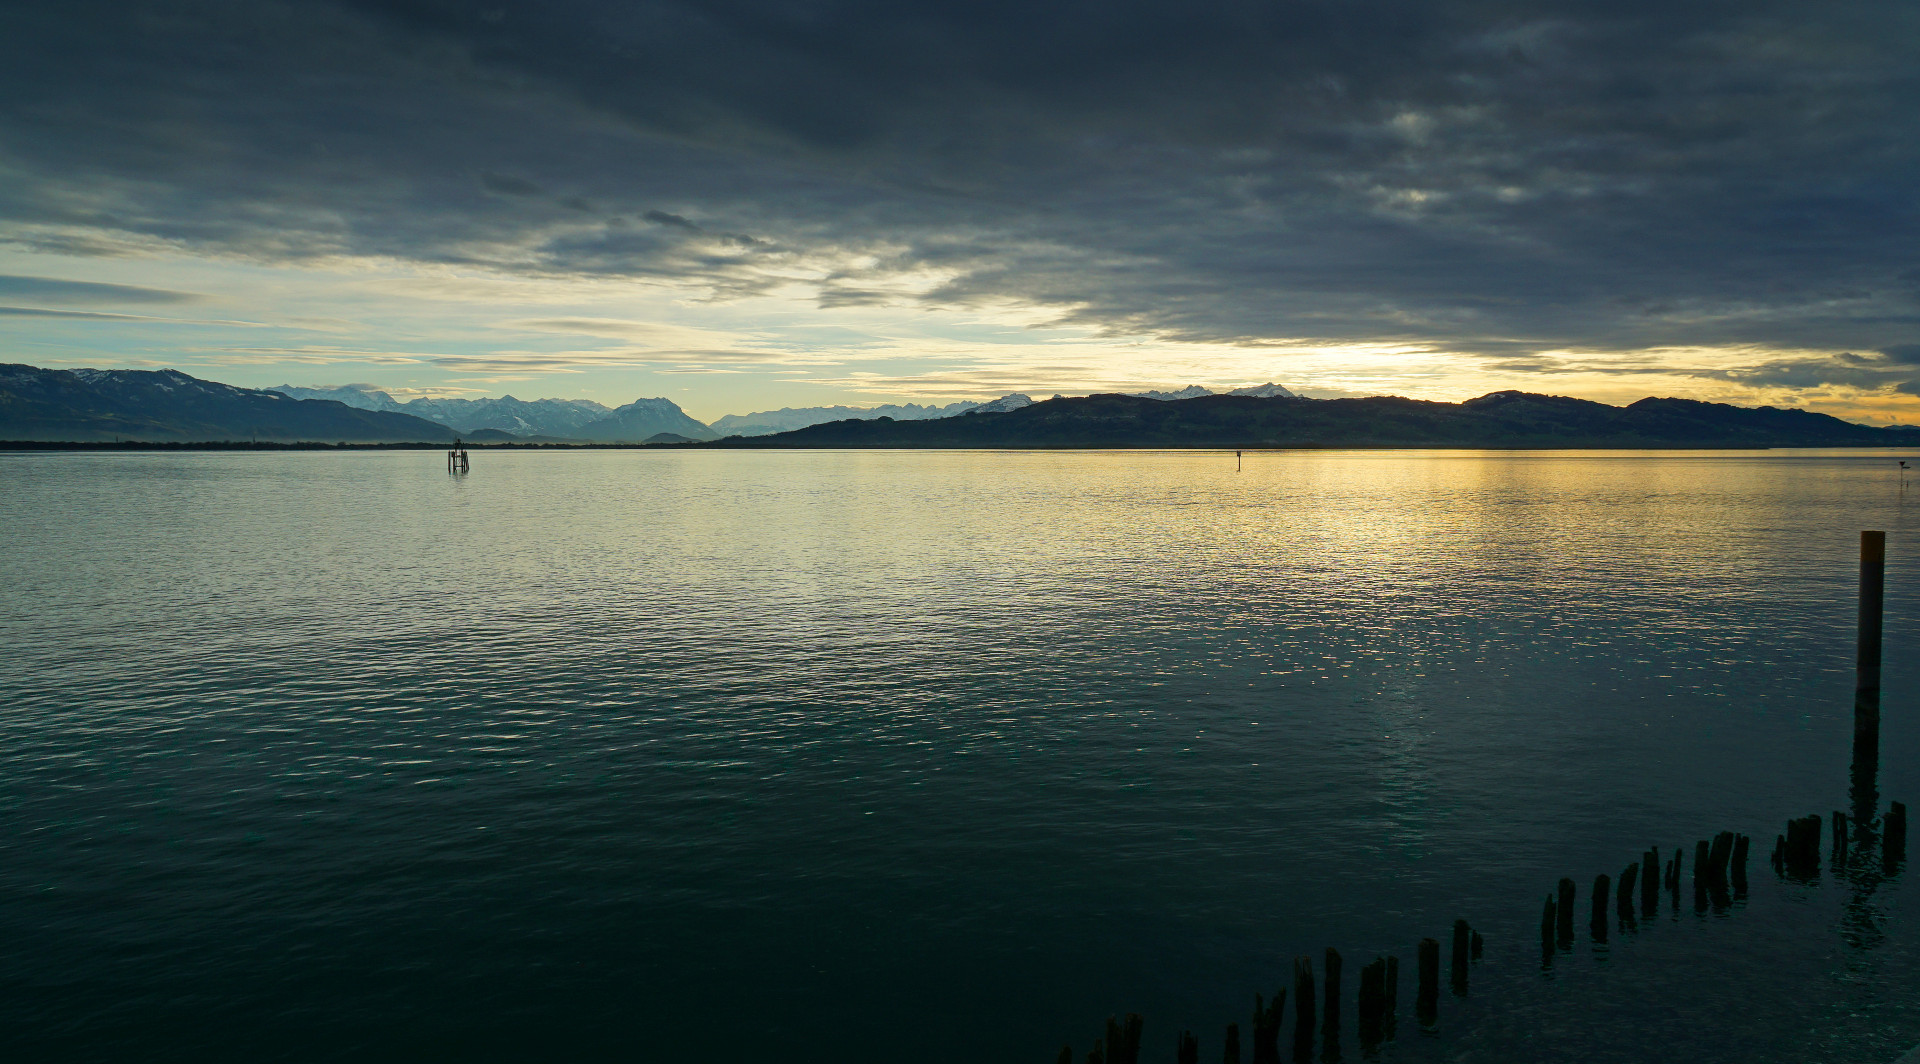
<point>1499,419</point>
<point>167,405</point>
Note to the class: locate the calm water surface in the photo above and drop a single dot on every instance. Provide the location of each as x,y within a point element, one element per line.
<point>945,757</point>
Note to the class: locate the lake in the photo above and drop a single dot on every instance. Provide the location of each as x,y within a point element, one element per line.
<point>935,756</point>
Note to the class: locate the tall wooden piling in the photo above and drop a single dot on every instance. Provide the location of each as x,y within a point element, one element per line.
<point>1564,912</point>
<point>1189,1051</point>
<point>1866,686</point>
<point>1597,924</point>
<point>1549,923</point>
<point>1098,1054</point>
<point>1123,1039</point>
<point>1801,847</point>
<point>1462,949</point>
<point>1330,1004</point>
<point>1629,876</point>
<point>1741,844</point>
<point>1266,1028</point>
<point>1650,886</point>
<point>1427,1004</point>
<point>1719,857</point>
<point>1231,1055</point>
<point>1393,991</point>
<point>1303,1008</point>
<point>1372,1011</point>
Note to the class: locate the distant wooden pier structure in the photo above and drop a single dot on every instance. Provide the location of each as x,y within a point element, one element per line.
<point>1720,885</point>
<point>457,458</point>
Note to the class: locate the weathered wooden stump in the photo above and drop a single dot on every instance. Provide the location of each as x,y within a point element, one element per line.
<point>1231,1055</point>
<point>1462,949</point>
<point>1372,1013</point>
<point>1564,912</point>
<point>1266,1028</point>
<point>1302,1008</point>
<point>1597,924</point>
<point>1427,1005</point>
<point>1330,1005</point>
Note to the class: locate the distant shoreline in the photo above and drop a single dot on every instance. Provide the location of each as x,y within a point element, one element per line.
<point>248,445</point>
<point>731,445</point>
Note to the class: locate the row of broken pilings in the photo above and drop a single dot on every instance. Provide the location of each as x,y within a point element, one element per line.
<point>1796,854</point>
<point>1719,879</point>
<point>1720,876</point>
<point>1316,1016</point>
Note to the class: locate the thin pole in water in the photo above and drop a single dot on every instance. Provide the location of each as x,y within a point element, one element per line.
<point>1236,462</point>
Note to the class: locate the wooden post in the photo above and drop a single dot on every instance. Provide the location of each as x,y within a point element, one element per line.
<point>1232,1053</point>
<point>1702,871</point>
<point>1598,924</point>
<point>1649,886</point>
<point>1741,843</point>
<point>1373,1004</point>
<point>1123,1042</point>
<point>1266,1028</point>
<point>1629,876</point>
<point>1674,871</point>
<point>1303,1008</point>
<point>1428,1003</point>
<point>1189,1051</point>
<point>1098,1054</point>
<point>1548,922</point>
<point>1393,993</point>
<point>1330,1004</point>
<point>1462,945</point>
<point>1564,910</point>
<point>1803,846</point>
<point>1718,858</point>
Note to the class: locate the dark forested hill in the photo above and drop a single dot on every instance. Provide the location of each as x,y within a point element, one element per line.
<point>1502,419</point>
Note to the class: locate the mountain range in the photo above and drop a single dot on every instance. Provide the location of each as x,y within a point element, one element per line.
<point>786,419</point>
<point>1501,419</point>
<point>90,405</point>
<point>574,419</point>
<point>166,405</point>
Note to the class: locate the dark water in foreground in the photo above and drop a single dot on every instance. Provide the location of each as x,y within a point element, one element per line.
<point>943,757</point>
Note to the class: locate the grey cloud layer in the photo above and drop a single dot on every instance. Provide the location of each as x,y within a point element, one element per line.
<point>1496,177</point>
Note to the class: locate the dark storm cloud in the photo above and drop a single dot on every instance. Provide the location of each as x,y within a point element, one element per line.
<point>1496,177</point>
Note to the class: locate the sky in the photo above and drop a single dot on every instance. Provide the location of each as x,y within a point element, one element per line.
<point>742,205</point>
